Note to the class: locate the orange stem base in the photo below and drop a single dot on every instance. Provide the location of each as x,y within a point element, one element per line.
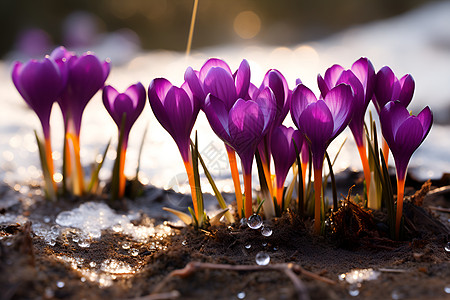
<point>236,181</point>
<point>190,173</point>
<point>400,193</point>
<point>248,195</point>
<point>317,198</point>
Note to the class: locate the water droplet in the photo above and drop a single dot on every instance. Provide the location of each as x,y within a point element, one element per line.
<point>47,219</point>
<point>243,222</point>
<point>447,247</point>
<point>126,246</point>
<point>60,284</point>
<point>134,252</point>
<point>353,289</point>
<point>275,248</point>
<point>264,244</point>
<point>248,246</point>
<point>396,295</point>
<point>184,243</point>
<point>83,279</point>
<point>447,289</point>
<point>262,258</point>
<point>266,231</point>
<point>241,295</point>
<point>255,221</point>
<point>84,244</point>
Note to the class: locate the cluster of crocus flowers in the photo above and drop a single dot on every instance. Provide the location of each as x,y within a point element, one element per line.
<point>124,109</point>
<point>71,81</point>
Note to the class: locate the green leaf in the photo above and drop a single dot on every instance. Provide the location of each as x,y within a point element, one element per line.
<point>300,196</point>
<point>141,147</point>
<point>49,189</point>
<point>217,193</point>
<point>94,177</point>
<point>269,206</point>
<point>185,218</point>
<point>216,219</point>
<point>198,188</point>
<point>115,181</point>
<point>333,182</point>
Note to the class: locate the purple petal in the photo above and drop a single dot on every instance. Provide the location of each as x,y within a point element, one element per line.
<point>267,105</point>
<point>323,87</point>
<point>210,63</point>
<point>278,84</point>
<point>384,86</point>
<point>217,115</point>
<point>242,79</point>
<point>220,84</point>
<point>426,119</point>
<point>109,95</point>
<point>407,140</point>
<point>157,92</point>
<point>191,77</point>
<point>301,98</point>
<point>365,72</point>
<point>339,100</point>
<point>407,90</point>
<point>392,116</point>
<point>332,75</point>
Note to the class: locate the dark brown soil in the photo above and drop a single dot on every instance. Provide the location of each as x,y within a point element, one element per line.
<point>415,268</point>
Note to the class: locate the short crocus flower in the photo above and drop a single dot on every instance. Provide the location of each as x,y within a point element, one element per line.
<point>404,133</point>
<point>321,121</point>
<point>124,107</point>
<point>40,83</point>
<point>242,128</point>
<point>284,155</point>
<point>389,88</point>
<point>215,78</point>
<point>86,76</point>
<point>176,110</point>
<point>361,77</point>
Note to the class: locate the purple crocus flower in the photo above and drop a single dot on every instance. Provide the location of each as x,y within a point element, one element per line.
<point>361,77</point>
<point>131,103</point>
<point>389,88</point>
<point>86,76</point>
<point>321,121</point>
<point>242,128</point>
<point>176,109</point>
<point>40,83</point>
<point>128,105</point>
<point>283,153</point>
<point>403,133</point>
<point>215,78</point>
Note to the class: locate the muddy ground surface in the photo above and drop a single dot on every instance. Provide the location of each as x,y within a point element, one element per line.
<point>416,267</point>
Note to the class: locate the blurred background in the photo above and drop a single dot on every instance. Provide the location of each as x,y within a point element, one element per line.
<point>33,27</point>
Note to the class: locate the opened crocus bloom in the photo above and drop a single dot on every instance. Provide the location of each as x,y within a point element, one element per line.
<point>86,76</point>
<point>124,108</point>
<point>389,88</point>
<point>242,128</point>
<point>40,83</point>
<point>215,78</point>
<point>404,133</point>
<point>361,77</point>
<point>283,153</point>
<point>321,121</point>
<point>176,110</point>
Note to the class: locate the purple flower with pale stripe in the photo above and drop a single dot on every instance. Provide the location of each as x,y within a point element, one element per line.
<point>403,133</point>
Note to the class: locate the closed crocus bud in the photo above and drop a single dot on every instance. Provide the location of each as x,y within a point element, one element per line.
<point>176,109</point>
<point>403,133</point>
<point>284,154</point>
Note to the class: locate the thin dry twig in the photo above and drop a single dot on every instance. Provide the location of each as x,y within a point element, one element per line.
<point>291,270</point>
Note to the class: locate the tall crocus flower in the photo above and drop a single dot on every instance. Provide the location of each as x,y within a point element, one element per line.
<point>404,133</point>
<point>124,109</point>
<point>215,78</point>
<point>389,88</point>
<point>176,109</point>
<point>278,84</point>
<point>361,77</point>
<point>40,83</point>
<point>321,121</point>
<point>242,127</point>
<point>86,76</point>
<point>283,153</point>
